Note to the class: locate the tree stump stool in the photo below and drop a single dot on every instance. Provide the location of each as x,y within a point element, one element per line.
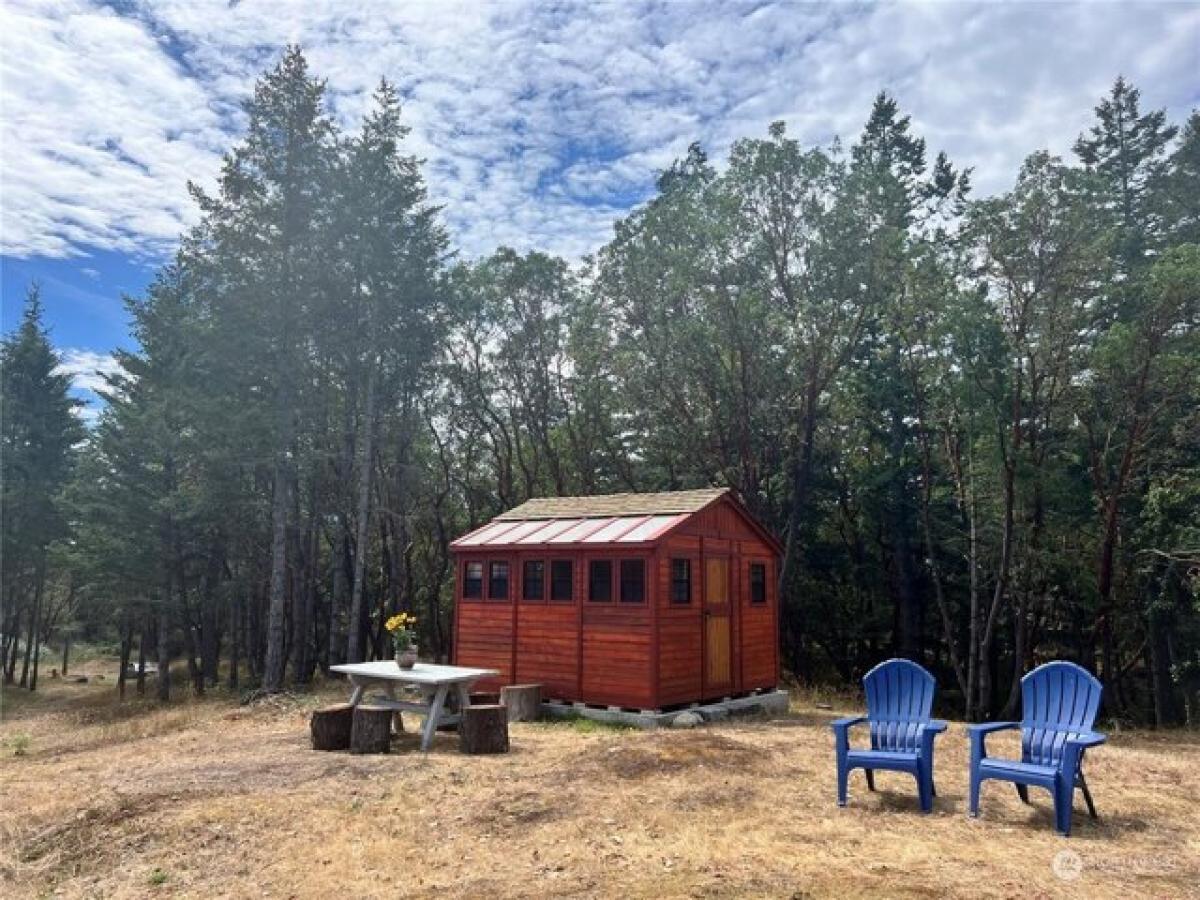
<point>523,701</point>
<point>371,731</point>
<point>483,729</point>
<point>330,727</point>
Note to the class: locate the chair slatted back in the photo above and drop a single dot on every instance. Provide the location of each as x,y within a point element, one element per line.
<point>1058,700</point>
<point>899,700</point>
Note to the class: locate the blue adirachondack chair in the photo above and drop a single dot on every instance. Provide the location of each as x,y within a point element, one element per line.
<point>899,698</point>
<point>1059,702</point>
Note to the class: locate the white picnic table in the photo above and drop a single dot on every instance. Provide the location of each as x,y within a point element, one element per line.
<point>434,681</point>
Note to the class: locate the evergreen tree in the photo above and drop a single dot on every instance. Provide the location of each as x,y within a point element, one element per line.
<point>39,432</point>
<point>1127,148</point>
<point>266,237</point>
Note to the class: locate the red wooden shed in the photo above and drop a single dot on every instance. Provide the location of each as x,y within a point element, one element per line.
<point>640,601</point>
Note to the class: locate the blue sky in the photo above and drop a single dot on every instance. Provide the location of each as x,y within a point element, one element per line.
<point>540,122</point>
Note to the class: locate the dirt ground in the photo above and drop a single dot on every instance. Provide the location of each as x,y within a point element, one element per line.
<point>210,798</point>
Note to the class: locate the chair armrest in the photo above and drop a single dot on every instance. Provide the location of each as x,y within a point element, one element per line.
<point>1073,750</point>
<point>989,727</point>
<point>927,733</point>
<point>1090,739</point>
<point>841,732</point>
<point>843,724</point>
<point>979,732</point>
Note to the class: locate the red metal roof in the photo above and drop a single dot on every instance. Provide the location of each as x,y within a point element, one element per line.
<point>565,532</point>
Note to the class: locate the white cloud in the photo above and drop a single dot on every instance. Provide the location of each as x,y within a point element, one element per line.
<point>87,369</point>
<point>539,123</point>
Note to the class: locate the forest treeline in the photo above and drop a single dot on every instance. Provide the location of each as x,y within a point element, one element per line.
<point>974,423</point>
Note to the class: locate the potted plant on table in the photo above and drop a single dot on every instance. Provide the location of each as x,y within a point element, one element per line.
<point>403,629</point>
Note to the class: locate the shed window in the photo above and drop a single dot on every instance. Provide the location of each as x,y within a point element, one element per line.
<point>758,584</point>
<point>562,580</point>
<point>633,581</point>
<point>681,581</point>
<point>498,581</point>
<point>600,581</point>
<point>533,580</point>
<point>473,581</point>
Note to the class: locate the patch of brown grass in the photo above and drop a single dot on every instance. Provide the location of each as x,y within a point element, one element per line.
<point>208,798</point>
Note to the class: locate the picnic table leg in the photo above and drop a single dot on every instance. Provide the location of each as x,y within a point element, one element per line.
<point>435,713</point>
<point>357,693</point>
<point>397,721</point>
<point>464,698</point>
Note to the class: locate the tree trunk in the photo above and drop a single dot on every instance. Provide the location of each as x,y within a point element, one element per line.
<point>339,556</point>
<point>302,619</point>
<point>235,638</point>
<point>210,644</point>
<point>31,634</point>
<point>989,630</point>
<point>164,658</point>
<point>801,472</point>
<point>1020,626</point>
<point>1160,621</point>
<point>273,670</point>
<point>365,467</point>
<point>37,652</point>
<point>126,650</point>
<point>974,604</point>
<point>141,669</point>
<point>66,653</point>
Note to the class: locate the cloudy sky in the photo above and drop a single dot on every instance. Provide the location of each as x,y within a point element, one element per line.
<point>540,122</point>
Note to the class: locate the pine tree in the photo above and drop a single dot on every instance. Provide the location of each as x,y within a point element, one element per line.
<point>1178,190</point>
<point>264,243</point>
<point>38,435</point>
<point>1126,148</point>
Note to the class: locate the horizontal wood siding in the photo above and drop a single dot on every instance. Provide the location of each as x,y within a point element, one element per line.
<point>616,656</point>
<point>548,647</point>
<point>485,639</point>
<point>679,642</point>
<point>760,634</point>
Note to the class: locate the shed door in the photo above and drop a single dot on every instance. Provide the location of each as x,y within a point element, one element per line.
<point>718,669</point>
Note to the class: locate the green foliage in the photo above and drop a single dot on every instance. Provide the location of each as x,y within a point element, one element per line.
<point>973,422</point>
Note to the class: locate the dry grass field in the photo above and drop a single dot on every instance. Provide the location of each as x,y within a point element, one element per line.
<point>213,799</point>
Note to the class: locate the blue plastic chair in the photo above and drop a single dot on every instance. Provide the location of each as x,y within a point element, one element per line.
<point>899,698</point>
<point>1059,703</point>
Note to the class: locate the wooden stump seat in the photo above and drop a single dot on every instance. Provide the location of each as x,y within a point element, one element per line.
<point>523,701</point>
<point>371,731</point>
<point>483,729</point>
<point>330,727</point>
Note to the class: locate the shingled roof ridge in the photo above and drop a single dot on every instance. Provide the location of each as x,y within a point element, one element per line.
<point>624,504</point>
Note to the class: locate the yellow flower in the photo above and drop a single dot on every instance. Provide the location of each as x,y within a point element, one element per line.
<point>399,621</point>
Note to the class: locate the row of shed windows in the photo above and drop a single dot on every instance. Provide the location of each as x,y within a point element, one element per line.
<point>631,581</point>
<point>631,584</point>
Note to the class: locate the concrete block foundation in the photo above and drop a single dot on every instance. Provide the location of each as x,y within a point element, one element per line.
<point>766,702</point>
